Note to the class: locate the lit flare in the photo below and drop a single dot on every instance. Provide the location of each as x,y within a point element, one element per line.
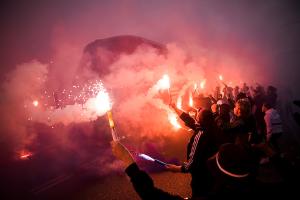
<point>202,84</point>
<point>35,103</point>
<point>146,157</point>
<point>221,77</point>
<point>25,154</point>
<point>179,103</point>
<point>173,120</point>
<point>164,82</point>
<point>191,103</point>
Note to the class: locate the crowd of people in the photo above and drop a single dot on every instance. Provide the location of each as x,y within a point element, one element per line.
<point>234,132</point>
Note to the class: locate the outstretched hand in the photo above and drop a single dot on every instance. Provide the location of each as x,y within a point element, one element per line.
<point>122,153</point>
<point>173,168</point>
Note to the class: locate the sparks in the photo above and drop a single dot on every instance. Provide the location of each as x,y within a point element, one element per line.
<point>103,102</point>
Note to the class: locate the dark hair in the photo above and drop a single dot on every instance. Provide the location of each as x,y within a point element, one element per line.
<point>240,95</point>
<point>245,107</point>
<point>267,105</point>
<point>272,89</point>
<point>206,118</point>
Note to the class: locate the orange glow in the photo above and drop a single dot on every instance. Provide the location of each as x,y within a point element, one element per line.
<point>110,119</point>
<point>173,120</point>
<point>35,103</point>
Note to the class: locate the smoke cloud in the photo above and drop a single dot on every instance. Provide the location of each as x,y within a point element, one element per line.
<point>203,39</point>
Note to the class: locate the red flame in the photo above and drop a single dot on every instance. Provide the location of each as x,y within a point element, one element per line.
<point>191,103</point>
<point>221,77</point>
<point>173,120</point>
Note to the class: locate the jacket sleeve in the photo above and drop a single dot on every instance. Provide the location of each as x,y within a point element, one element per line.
<point>188,165</point>
<point>189,121</point>
<point>143,185</point>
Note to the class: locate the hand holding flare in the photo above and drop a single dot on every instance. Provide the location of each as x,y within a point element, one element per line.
<point>122,153</point>
<point>146,157</point>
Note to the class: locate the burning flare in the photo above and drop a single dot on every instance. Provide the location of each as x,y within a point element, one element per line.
<point>146,157</point>
<point>164,83</point>
<point>191,103</point>
<point>110,119</point>
<point>24,154</point>
<point>221,77</point>
<point>179,102</point>
<point>202,84</point>
<point>103,102</point>
<point>35,103</point>
<point>173,120</point>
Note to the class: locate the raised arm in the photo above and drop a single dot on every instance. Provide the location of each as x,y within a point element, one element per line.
<point>141,181</point>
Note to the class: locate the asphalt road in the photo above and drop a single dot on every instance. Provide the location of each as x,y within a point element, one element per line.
<point>116,186</point>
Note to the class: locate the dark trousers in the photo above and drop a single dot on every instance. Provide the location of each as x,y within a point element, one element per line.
<point>274,142</point>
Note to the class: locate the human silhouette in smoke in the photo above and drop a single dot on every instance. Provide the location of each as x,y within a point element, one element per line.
<point>297,114</point>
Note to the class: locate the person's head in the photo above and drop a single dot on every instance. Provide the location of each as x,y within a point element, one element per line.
<point>236,89</point>
<point>223,107</point>
<point>242,108</point>
<point>202,102</point>
<point>259,90</point>
<point>241,95</point>
<point>224,110</point>
<point>271,90</point>
<point>266,106</point>
<point>205,118</point>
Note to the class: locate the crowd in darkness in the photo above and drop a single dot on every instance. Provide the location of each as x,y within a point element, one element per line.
<point>235,132</point>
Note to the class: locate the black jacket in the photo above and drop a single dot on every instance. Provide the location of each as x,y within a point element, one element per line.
<point>143,185</point>
<point>201,146</point>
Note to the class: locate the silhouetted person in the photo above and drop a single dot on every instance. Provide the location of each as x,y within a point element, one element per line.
<point>243,125</point>
<point>202,145</point>
<point>231,169</point>
<point>297,114</point>
<point>271,96</point>
<point>273,125</point>
<point>259,99</point>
